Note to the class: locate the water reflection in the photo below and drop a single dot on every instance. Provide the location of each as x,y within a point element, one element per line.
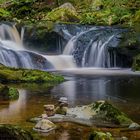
<point>121,91</point>
<point>82,90</point>
<point>15,108</point>
<point>89,89</point>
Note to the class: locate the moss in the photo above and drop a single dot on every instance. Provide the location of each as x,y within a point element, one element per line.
<point>97,12</point>
<point>8,74</point>
<point>62,14</point>
<point>111,113</point>
<point>10,132</point>
<point>96,135</point>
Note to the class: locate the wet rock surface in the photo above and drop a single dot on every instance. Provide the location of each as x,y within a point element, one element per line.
<point>100,113</point>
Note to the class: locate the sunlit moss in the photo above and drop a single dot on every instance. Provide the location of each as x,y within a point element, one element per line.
<point>8,74</point>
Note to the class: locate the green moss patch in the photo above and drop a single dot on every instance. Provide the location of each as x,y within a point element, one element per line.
<point>63,15</point>
<point>8,74</point>
<point>110,113</point>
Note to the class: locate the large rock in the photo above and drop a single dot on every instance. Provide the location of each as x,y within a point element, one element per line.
<point>9,132</point>
<point>101,111</point>
<point>109,113</point>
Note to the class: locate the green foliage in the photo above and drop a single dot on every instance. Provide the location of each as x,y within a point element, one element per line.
<point>96,12</point>
<point>4,13</point>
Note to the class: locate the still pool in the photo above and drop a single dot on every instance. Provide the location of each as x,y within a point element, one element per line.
<point>121,91</point>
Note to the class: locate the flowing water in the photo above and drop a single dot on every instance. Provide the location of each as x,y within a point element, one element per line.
<point>102,81</point>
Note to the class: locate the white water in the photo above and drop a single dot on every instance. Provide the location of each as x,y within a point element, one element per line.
<point>13,53</point>
<point>70,46</point>
<point>95,53</point>
<point>61,62</point>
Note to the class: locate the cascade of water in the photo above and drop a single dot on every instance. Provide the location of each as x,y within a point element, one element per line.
<point>13,53</point>
<point>90,47</point>
<point>10,33</point>
<point>70,46</point>
<point>86,48</point>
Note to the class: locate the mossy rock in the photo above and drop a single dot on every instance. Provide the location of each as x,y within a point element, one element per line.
<point>8,93</point>
<point>136,63</point>
<point>8,75</point>
<point>96,135</point>
<point>63,14</point>
<point>109,113</point>
<point>10,132</point>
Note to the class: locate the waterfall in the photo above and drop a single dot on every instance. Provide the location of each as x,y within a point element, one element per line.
<point>13,52</point>
<point>86,47</point>
<point>90,48</point>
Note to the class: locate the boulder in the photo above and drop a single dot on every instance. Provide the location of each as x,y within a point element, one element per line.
<point>108,112</point>
<point>103,112</point>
